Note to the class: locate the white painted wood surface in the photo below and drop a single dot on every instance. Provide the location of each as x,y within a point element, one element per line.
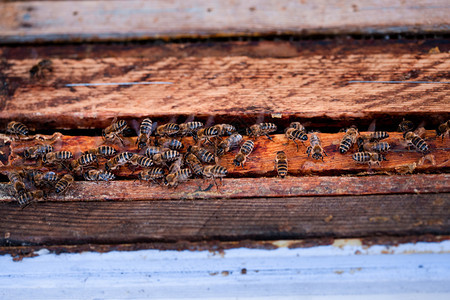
<point>24,21</point>
<point>344,270</point>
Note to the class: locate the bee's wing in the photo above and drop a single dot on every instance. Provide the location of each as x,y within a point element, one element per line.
<point>372,126</point>
<point>209,121</point>
<point>134,124</point>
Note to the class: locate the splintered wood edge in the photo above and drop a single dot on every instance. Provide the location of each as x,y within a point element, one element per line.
<point>252,187</point>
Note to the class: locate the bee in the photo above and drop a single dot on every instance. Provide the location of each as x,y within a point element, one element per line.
<point>374,147</point>
<point>244,152</point>
<point>30,174</point>
<point>202,154</point>
<point>118,160</point>
<point>103,151</point>
<point>173,144</point>
<point>161,159</point>
<point>298,126</point>
<point>176,165</point>
<point>17,129</point>
<point>173,179</point>
<point>405,126</point>
<point>83,161</point>
<point>213,172</point>
<point>14,177</point>
<point>57,157</point>
<point>444,129</point>
<point>194,164</point>
<point>316,148</point>
<point>27,198</point>
<point>152,150</point>
<point>145,130</point>
<point>98,175</point>
<point>281,164</point>
<point>348,139</point>
<point>368,157</point>
<point>261,129</point>
<point>37,151</point>
<point>39,69</point>
<point>45,178</point>
<point>224,129</point>
<point>141,161</point>
<point>16,181</point>
<point>206,134</point>
<point>374,136</point>
<point>64,183</point>
<point>229,143</point>
<point>295,134</point>
<point>167,129</point>
<point>416,141</point>
<point>189,128</point>
<point>152,174</point>
<point>115,130</point>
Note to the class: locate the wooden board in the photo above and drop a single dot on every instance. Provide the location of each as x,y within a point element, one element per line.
<point>224,219</point>
<point>34,21</point>
<point>321,89</point>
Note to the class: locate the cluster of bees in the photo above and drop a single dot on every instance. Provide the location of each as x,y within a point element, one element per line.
<point>162,162</point>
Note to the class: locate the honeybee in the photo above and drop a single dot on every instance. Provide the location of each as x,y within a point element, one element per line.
<point>405,126</point>
<point>176,165</point>
<point>39,69</point>
<point>295,134</point>
<point>161,159</point>
<point>444,129</point>
<point>141,161</point>
<point>98,175</point>
<point>83,161</point>
<point>348,139</point>
<point>17,128</point>
<point>115,130</point>
<point>374,147</point>
<point>167,129</point>
<point>202,154</point>
<point>194,164</point>
<point>374,136</point>
<point>37,151</point>
<point>45,178</point>
<point>27,198</point>
<point>152,174</point>
<point>206,134</point>
<point>152,150</point>
<point>57,157</point>
<point>16,181</point>
<point>145,130</point>
<point>244,152</point>
<point>281,164</point>
<point>229,143</point>
<point>103,151</point>
<point>224,129</point>
<point>189,128</point>
<point>170,143</point>
<point>261,129</point>
<point>173,179</point>
<point>213,172</point>
<point>298,126</point>
<point>412,139</point>
<point>368,157</point>
<point>316,148</point>
<point>64,183</point>
<point>118,160</point>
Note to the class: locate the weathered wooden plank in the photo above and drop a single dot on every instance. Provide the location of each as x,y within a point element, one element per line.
<point>250,187</point>
<point>224,219</point>
<point>261,162</point>
<point>117,20</point>
<point>309,87</point>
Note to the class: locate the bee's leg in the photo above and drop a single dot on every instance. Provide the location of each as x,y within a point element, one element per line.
<point>296,144</point>
<point>268,136</point>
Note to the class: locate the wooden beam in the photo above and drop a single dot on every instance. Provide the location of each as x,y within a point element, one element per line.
<point>224,219</point>
<point>240,87</point>
<point>34,21</point>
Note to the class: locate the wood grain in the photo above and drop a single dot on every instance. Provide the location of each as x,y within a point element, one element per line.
<point>224,219</point>
<point>239,87</point>
<point>31,21</point>
<point>261,161</point>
